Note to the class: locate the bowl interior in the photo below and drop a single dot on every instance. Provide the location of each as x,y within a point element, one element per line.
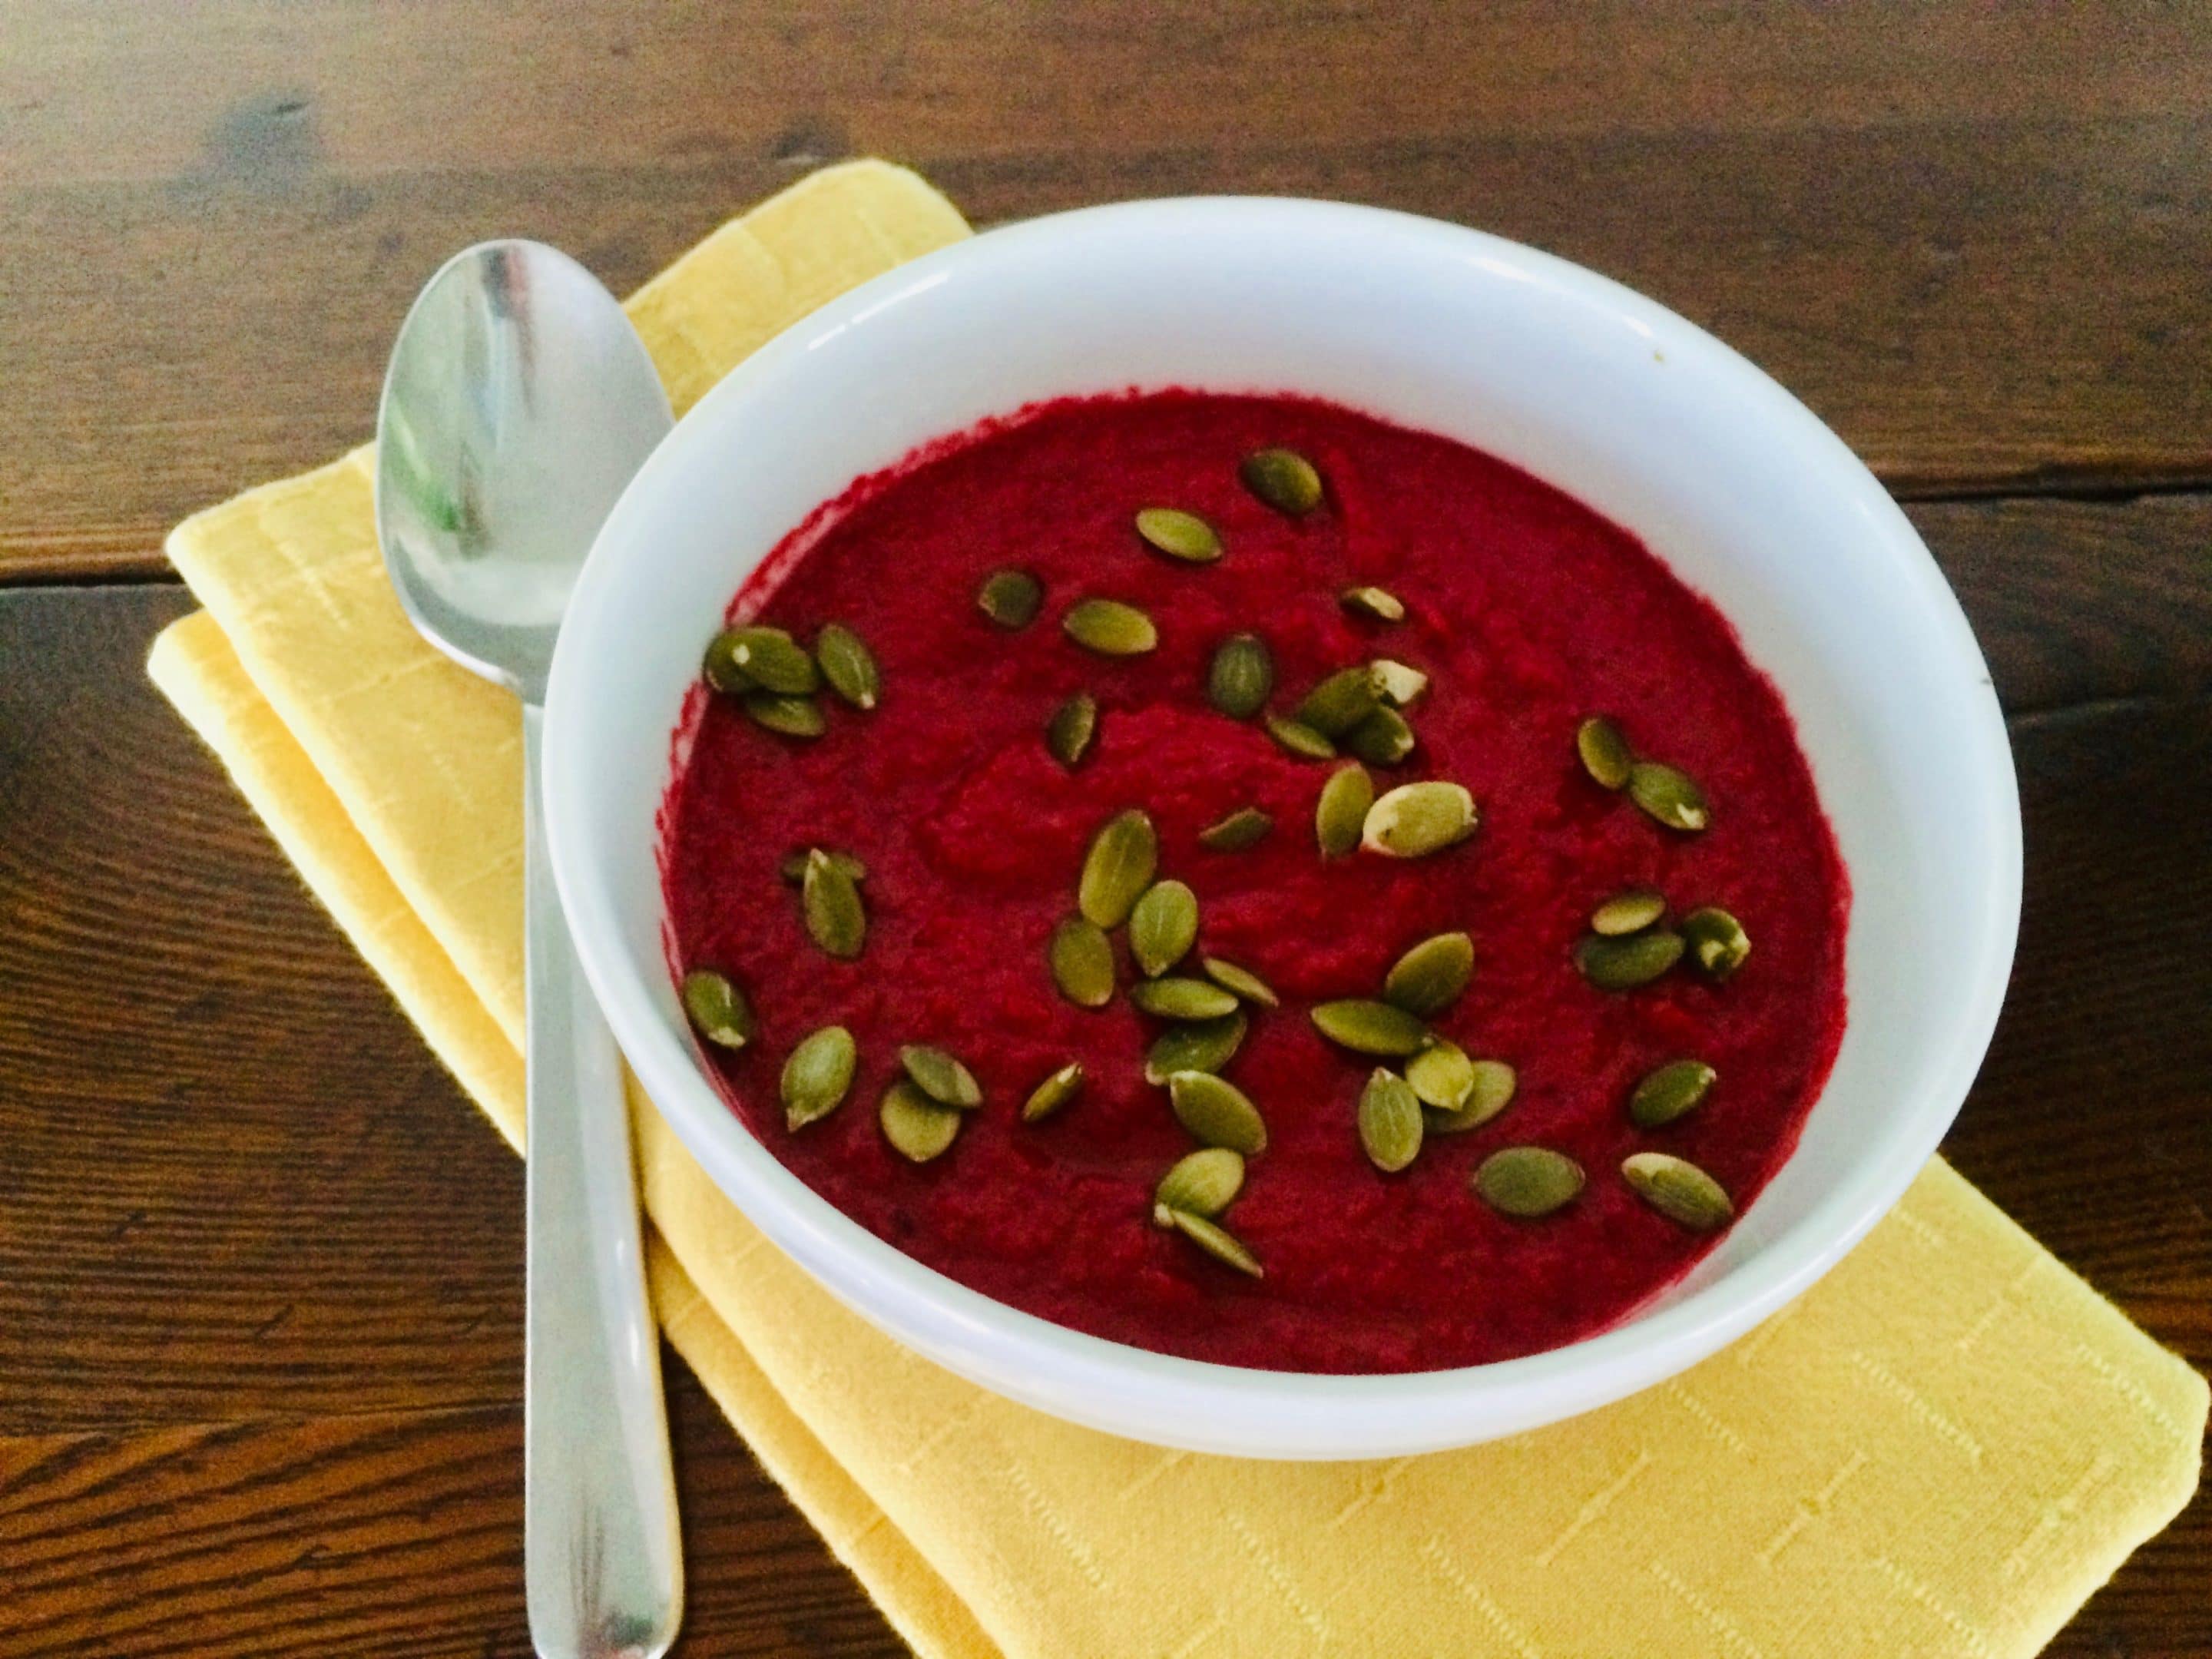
<point>1597,391</point>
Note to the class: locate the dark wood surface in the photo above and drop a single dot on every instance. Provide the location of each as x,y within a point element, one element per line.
<point>259,1269</point>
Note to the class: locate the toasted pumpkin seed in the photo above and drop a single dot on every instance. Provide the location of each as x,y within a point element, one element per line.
<point>1675,1090</point>
<point>1342,809</point>
<point>1011,599</point>
<point>1162,926</point>
<point>1441,1075</point>
<point>1183,999</point>
<point>1382,738</point>
<point>1395,683</point>
<point>1338,702</point>
<point>940,1075</point>
<point>1283,478</point>
<point>1528,1181</point>
<point>1415,820</point>
<point>1622,964</point>
<point>718,1009</point>
<point>794,717</point>
<point>1370,1028</point>
<point>1110,628</point>
<point>1433,975</point>
<point>918,1127</point>
<point>1217,1113</point>
<point>1069,733</point>
<point>1242,677</point>
<point>835,919</point>
<point>1605,753</point>
<point>816,1075</point>
<point>1678,1189</point>
<point>1716,940</point>
<point>774,661</point>
<point>792,868</point>
<point>1243,829</point>
<point>1490,1091</point>
<point>1202,1184</point>
<point>719,666</point>
<point>1390,1121</point>
<point>1375,604</point>
<point>1203,1045</point>
<point>1630,912</point>
<point>1247,986</point>
<point>1178,534</point>
<point>1054,1092</point>
<point>1082,962</point>
<point>1118,865</point>
<point>848,666</point>
<point>1668,796</point>
<point>1299,739</point>
<point>1217,1241</point>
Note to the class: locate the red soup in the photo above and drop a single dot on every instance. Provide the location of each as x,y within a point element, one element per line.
<point>1391,1236</point>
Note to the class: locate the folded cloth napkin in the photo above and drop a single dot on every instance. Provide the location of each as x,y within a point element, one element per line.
<point>1942,1448</point>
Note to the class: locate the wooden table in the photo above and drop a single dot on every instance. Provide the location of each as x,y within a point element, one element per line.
<point>260,1291</point>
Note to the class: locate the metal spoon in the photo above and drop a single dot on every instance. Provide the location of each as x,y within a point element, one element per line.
<point>519,403</point>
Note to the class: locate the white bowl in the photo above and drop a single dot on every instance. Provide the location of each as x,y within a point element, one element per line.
<point>1592,387</point>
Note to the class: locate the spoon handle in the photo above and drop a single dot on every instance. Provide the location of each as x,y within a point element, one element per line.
<point>602,1561</point>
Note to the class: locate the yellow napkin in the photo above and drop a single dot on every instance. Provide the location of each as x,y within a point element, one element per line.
<point>1942,1448</point>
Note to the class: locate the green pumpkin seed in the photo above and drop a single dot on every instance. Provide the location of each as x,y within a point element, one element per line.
<point>1370,1028</point>
<point>1054,1092</point>
<point>1390,1121</point>
<point>1433,975</point>
<point>1395,683</point>
<point>835,920</point>
<point>792,868</point>
<point>1205,1045</point>
<point>1068,734</point>
<point>941,1076</point>
<point>1162,926</point>
<point>1110,628</point>
<point>1528,1181</point>
<point>816,1075</point>
<point>718,1009</point>
<point>719,667</point>
<point>1300,739</point>
<point>1119,865</point>
<point>1011,599</point>
<point>1201,1183</point>
<point>1217,1113</point>
<point>1678,1190</point>
<point>1245,828</point>
<point>794,717</point>
<point>1415,820</point>
<point>1668,796</point>
<point>1338,702</point>
<point>774,661</point>
<point>848,666</point>
<point>1490,1091</point>
<point>1375,604</point>
<point>1082,961</point>
<point>1217,1241</point>
<point>1179,535</point>
<point>1283,478</point>
<point>1247,986</point>
<point>1442,1077</point>
<point>1622,964</point>
<point>1183,999</point>
<point>1674,1091</point>
<point>1631,912</point>
<point>1241,677</point>
<point>1342,809</point>
<point>1605,753</point>
<point>916,1125</point>
<point>1716,940</point>
<point>1382,738</point>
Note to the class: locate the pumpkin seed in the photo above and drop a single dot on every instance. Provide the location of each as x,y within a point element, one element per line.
<point>1179,535</point>
<point>1119,865</point>
<point>1395,683</point>
<point>917,1127</point>
<point>1201,1183</point>
<point>816,1075</point>
<point>1631,912</point>
<point>1382,738</point>
<point>1283,478</point>
<point>1716,940</point>
<point>835,919</point>
<point>1668,796</point>
<point>1370,1028</point>
<point>718,1009</point>
<point>1415,820</point>
<point>795,717</point>
<point>1011,599</point>
<point>1441,1075</point>
<point>1205,1045</point>
<point>1082,961</point>
<point>1217,1113</point>
<point>1678,1190</point>
<point>1110,628</point>
<point>1433,975</point>
<point>1528,1181</point>
<point>1674,1091</point>
<point>1248,985</point>
<point>1162,926</point>
<point>1217,1241</point>
<point>1490,1091</point>
<point>1606,754</point>
<point>1375,604</point>
<point>1342,809</point>
<point>848,666</point>
<point>1245,828</point>
<point>1622,964</point>
<point>719,666</point>
<point>774,661</point>
<point>792,868</point>
<point>1241,677</point>
<point>941,1076</point>
<point>1299,739</point>
<point>1054,1092</point>
<point>1183,999</point>
<point>1073,725</point>
<point>1338,702</point>
<point>1390,1121</point>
